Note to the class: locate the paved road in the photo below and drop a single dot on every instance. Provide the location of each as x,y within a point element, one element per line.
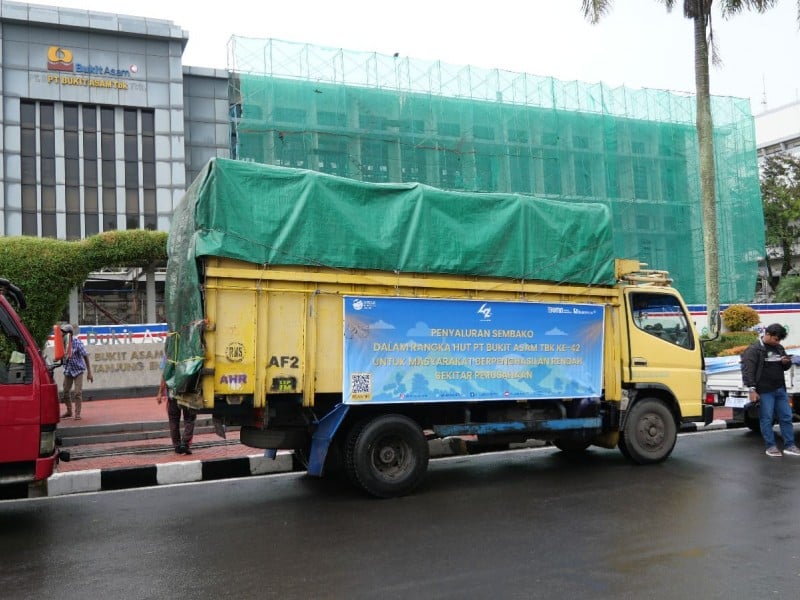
<point>717,520</point>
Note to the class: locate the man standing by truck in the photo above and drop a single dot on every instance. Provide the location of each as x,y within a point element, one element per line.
<point>763,364</point>
<point>76,363</point>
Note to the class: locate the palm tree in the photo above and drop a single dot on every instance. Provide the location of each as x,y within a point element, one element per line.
<point>700,12</point>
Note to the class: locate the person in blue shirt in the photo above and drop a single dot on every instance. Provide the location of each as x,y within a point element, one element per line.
<point>76,364</point>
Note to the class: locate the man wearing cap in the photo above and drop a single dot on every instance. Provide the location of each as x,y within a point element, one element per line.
<point>763,364</point>
<point>75,364</point>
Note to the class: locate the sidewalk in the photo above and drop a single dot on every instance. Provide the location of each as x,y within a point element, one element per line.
<point>119,415</point>
<point>124,443</point>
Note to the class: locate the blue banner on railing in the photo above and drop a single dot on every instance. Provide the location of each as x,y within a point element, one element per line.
<point>424,350</point>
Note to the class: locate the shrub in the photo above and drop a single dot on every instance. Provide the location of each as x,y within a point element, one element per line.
<point>727,341</point>
<point>788,289</point>
<point>46,269</point>
<point>735,351</point>
<point>740,317</point>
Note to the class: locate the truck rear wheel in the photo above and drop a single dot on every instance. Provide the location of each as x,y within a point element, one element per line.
<point>387,456</point>
<point>650,432</point>
<point>752,420</point>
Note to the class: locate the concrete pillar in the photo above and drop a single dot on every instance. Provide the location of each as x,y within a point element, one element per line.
<point>150,293</point>
<point>74,310</point>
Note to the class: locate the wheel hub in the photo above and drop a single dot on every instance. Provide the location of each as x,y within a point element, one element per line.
<point>387,455</point>
<point>651,431</point>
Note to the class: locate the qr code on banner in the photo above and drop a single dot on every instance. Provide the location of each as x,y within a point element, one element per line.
<point>361,386</point>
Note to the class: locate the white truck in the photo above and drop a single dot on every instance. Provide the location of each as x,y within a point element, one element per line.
<point>723,376</point>
<point>724,387</point>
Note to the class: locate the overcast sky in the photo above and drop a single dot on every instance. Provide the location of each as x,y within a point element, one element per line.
<point>638,44</point>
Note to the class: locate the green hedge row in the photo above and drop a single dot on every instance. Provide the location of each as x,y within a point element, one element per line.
<point>46,269</point>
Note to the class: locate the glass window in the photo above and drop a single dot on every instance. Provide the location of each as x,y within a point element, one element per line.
<point>90,200</point>
<point>70,117</point>
<point>30,224</point>
<point>15,368</point>
<point>109,173</point>
<point>89,146</point>
<point>29,203</point>
<point>89,119</point>
<point>48,176</point>
<point>148,150</point>
<point>90,173</point>
<point>27,114</point>
<point>129,121</point>
<point>47,118</point>
<point>71,172</point>
<point>107,146</point>
<point>73,226</point>
<point>148,127</point>
<point>28,142</point>
<point>149,176</point>
<point>48,199</point>
<point>109,208</point>
<point>48,225</point>
<point>149,203</point>
<point>132,202</point>
<point>91,224</point>
<point>107,120</point>
<point>131,174</point>
<point>29,169</point>
<point>73,199</point>
<point>662,316</point>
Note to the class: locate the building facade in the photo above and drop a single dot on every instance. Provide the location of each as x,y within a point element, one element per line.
<point>104,128</point>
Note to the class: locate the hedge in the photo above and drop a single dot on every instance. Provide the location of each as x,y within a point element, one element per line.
<point>47,269</point>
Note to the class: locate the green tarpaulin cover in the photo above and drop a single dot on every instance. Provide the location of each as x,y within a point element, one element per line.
<point>271,215</point>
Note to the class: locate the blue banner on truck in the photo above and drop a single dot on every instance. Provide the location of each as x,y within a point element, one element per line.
<point>425,350</point>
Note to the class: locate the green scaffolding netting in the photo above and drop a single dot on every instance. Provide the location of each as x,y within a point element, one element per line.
<point>379,118</point>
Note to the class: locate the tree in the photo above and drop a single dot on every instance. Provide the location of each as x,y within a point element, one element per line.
<point>780,193</point>
<point>700,13</point>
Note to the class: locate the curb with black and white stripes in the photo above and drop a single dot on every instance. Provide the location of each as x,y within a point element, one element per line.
<point>97,480</point>
<point>714,425</point>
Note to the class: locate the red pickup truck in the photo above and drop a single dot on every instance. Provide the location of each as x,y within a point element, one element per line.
<point>28,401</point>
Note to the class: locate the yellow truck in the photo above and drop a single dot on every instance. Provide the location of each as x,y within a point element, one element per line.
<point>353,322</point>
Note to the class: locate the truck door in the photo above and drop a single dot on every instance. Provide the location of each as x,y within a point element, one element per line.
<point>19,404</point>
<point>663,348</point>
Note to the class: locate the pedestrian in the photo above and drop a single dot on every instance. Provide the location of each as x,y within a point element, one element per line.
<point>174,411</point>
<point>763,364</point>
<point>76,363</point>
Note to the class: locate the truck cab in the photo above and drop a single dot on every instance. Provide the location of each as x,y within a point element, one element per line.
<point>28,401</point>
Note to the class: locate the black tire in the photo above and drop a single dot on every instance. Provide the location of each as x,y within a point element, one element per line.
<point>753,423</point>
<point>650,432</point>
<point>623,447</point>
<point>349,451</point>
<point>387,456</point>
<point>572,445</point>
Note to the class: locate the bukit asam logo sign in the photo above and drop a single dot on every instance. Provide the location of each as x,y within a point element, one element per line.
<point>61,59</point>
<point>69,72</point>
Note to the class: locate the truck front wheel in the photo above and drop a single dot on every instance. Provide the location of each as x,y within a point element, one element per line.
<point>387,456</point>
<point>650,432</point>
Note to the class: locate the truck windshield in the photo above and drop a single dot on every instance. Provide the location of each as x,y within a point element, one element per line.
<point>662,316</point>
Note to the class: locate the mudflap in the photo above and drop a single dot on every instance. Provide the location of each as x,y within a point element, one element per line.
<point>323,435</point>
<point>708,413</point>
